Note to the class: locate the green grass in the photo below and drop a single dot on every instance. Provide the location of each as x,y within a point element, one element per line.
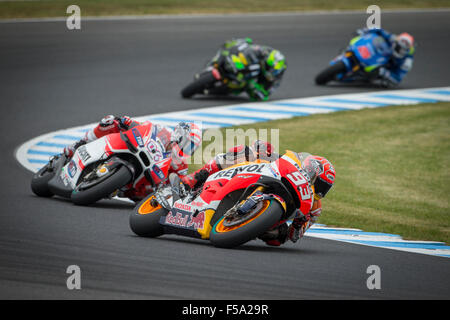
<point>57,8</point>
<point>392,166</point>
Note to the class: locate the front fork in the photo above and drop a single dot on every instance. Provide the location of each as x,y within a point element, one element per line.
<point>351,64</point>
<point>255,197</point>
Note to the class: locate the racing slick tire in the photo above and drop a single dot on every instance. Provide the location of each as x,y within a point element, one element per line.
<point>261,221</point>
<point>104,188</point>
<point>330,73</point>
<point>39,182</point>
<point>144,220</point>
<point>197,86</point>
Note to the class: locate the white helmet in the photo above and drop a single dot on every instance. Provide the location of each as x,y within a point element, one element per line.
<point>403,45</point>
<point>188,137</point>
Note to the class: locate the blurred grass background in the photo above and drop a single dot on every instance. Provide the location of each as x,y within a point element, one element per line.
<point>57,8</point>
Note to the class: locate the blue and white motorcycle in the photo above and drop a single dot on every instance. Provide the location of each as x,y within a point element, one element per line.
<point>359,61</point>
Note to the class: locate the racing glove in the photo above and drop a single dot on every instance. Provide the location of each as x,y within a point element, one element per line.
<point>124,122</point>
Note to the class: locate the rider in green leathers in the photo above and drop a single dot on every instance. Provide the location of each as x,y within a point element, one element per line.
<point>255,69</point>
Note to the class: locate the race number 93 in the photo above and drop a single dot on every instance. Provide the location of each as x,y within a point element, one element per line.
<point>301,183</point>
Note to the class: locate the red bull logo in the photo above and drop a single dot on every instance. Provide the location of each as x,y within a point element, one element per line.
<point>186,220</point>
<point>197,221</point>
<point>176,220</point>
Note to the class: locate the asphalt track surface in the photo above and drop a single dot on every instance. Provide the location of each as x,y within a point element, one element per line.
<point>52,78</point>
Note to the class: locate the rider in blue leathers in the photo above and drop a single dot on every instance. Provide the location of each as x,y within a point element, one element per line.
<point>402,58</point>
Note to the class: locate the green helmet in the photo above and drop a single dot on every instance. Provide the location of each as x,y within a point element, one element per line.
<point>275,65</point>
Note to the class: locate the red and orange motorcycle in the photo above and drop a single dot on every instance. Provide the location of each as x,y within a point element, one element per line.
<point>234,205</point>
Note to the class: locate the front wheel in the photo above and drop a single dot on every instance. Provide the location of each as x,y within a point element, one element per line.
<point>144,220</point>
<point>330,73</point>
<point>88,192</point>
<point>226,234</point>
<point>205,80</point>
<point>39,182</point>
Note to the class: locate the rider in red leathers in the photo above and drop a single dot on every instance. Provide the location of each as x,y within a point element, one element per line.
<point>320,171</point>
<point>183,140</point>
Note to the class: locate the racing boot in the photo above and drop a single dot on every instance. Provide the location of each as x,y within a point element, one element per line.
<point>282,232</point>
<point>276,236</point>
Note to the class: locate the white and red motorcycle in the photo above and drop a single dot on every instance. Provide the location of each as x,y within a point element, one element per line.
<point>134,161</point>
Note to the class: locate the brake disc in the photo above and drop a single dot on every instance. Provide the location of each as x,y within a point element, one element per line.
<point>232,218</point>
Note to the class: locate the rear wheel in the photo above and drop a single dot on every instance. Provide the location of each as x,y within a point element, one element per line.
<point>144,220</point>
<point>90,191</point>
<point>330,73</point>
<point>228,233</point>
<point>205,80</point>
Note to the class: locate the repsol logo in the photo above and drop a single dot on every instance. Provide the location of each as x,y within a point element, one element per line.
<point>230,173</point>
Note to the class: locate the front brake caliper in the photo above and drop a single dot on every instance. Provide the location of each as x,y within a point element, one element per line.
<point>251,202</point>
